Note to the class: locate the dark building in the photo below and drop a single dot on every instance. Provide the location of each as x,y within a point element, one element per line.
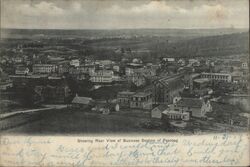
<point>165,89</point>
<point>56,94</point>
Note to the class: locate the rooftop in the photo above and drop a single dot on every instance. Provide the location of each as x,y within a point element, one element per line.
<point>162,107</point>
<point>81,100</point>
<point>174,112</point>
<point>190,102</point>
<point>44,65</point>
<point>126,93</point>
<point>201,80</point>
<point>21,68</point>
<point>172,81</point>
<point>204,73</point>
<point>142,94</point>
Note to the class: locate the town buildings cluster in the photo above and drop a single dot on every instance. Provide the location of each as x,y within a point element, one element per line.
<point>170,88</point>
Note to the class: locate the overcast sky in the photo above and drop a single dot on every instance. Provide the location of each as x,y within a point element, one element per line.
<point>110,14</point>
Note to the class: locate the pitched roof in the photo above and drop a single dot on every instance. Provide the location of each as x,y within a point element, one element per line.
<point>162,107</point>
<point>190,102</point>
<point>21,68</point>
<point>81,100</point>
<point>171,80</point>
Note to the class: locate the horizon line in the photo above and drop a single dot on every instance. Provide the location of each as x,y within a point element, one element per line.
<point>247,28</point>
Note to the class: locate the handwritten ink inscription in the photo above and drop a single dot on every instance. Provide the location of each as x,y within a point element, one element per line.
<point>209,150</point>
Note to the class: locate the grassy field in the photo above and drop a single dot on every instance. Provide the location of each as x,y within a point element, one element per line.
<point>68,122</point>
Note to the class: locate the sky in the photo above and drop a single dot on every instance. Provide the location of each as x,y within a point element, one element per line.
<point>124,14</point>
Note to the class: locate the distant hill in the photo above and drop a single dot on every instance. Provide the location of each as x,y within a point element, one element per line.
<point>209,46</point>
<point>50,33</point>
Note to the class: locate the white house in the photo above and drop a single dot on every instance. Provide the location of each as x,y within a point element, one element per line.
<point>195,106</point>
<point>157,111</point>
<point>176,115</point>
<point>21,70</point>
<point>74,62</point>
<point>102,76</point>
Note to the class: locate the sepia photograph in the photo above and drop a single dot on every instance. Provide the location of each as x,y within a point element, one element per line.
<point>76,67</point>
<point>120,83</point>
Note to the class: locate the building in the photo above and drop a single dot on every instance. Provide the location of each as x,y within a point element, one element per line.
<point>123,98</point>
<point>133,68</point>
<point>194,62</point>
<point>56,94</point>
<point>4,85</point>
<point>165,89</point>
<point>181,62</point>
<point>157,111</point>
<point>244,65</point>
<point>116,68</point>
<point>169,59</point>
<point>137,79</point>
<point>18,59</point>
<point>217,76</point>
<point>141,100</point>
<point>63,68</point>
<point>104,63</point>
<point>195,106</point>
<point>201,83</point>
<point>189,79</point>
<point>81,102</point>
<point>87,69</point>
<point>22,70</point>
<point>175,115</point>
<point>74,71</point>
<point>74,62</point>
<point>44,68</point>
<point>102,76</point>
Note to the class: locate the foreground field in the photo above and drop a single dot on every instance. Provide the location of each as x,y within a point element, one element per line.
<point>72,122</point>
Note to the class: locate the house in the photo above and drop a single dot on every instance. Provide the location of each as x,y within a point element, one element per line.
<point>116,68</point>
<point>141,100</point>
<point>81,102</point>
<point>195,106</point>
<point>175,115</point>
<point>166,88</point>
<point>18,59</point>
<point>102,76</point>
<point>137,79</point>
<point>194,62</point>
<point>74,71</point>
<point>63,68</point>
<point>44,68</point>
<point>106,108</point>
<point>157,111</point>
<point>181,62</point>
<point>87,69</point>
<point>244,65</point>
<point>133,68</point>
<point>123,98</point>
<point>74,62</point>
<point>169,59</point>
<point>104,63</point>
<point>22,70</point>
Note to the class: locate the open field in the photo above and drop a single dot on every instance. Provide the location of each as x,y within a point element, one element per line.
<point>77,122</point>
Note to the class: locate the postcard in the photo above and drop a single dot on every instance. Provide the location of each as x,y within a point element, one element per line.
<point>124,83</point>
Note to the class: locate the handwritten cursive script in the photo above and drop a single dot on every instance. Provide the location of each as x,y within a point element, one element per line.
<point>209,150</point>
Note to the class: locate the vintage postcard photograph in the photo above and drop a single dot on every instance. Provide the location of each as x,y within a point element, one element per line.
<point>81,68</point>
